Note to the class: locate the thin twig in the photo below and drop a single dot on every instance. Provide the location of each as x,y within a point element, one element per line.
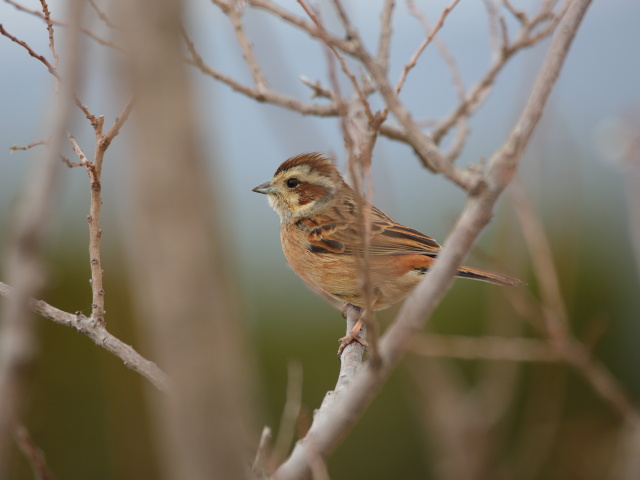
<point>95,232</point>
<point>119,122</point>
<point>484,348</point>
<point>94,170</point>
<point>317,89</point>
<point>69,163</point>
<point>17,148</point>
<point>289,417</point>
<point>263,452</point>
<point>52,70</point>
<point>58,23</point>
<point>462,125</point>
<point>480,91</point>
<point>494,26</point>
<point>344,45</point>
<point>102,16</point>
<point>384,42</point>
<point>555,315</point>
<point>343,64</point>
<point>33,454</point>
<point>234,12</point>
<point>414,58</point>
<point>263,95</point>
<point>52,45</point>
<point>456,76</point>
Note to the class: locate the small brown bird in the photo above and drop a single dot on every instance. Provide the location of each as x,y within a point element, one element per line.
<point>321,237</point>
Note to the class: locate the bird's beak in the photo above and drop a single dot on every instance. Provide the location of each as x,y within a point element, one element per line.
<point>264,188</point>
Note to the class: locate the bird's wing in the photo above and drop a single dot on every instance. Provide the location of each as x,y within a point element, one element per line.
<point>327,235</point>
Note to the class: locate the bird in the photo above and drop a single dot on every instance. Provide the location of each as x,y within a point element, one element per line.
<point>321,231</point>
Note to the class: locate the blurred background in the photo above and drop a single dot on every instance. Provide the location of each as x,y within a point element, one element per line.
<point>88,412</point>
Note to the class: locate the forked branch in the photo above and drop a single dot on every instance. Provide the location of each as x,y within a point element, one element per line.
<point>332,422</point>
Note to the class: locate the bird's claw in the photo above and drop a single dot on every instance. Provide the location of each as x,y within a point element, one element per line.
<point>352,337</point>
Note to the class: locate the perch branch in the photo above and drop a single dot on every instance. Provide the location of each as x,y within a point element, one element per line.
<point>333,421</point>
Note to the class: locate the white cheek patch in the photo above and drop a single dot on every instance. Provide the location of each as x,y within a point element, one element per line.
<point>286,204</point>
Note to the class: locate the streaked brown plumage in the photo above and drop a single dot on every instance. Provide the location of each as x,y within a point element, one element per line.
<point>319,230</point>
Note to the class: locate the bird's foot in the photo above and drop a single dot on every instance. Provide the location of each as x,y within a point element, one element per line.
<point>352,337</point>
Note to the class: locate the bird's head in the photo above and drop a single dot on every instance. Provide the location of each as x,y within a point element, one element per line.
<point>302,186</point>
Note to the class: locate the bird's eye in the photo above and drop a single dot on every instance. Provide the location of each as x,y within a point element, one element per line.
<point>293,182</point>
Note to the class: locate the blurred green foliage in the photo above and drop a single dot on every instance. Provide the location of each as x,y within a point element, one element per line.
<point>88,412</point>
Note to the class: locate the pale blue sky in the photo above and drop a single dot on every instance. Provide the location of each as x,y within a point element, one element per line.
<point>601,80</point>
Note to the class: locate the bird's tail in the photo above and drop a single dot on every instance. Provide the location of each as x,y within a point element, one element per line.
<point>484,276</point>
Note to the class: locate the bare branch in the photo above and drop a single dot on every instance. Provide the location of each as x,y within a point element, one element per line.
<point>554,312</point>
<point>343,64</point>
<point>52,70</point>
<point>94,170</point>
<point>52,46</point>
<point>414,58</point>
<point>119,122</point>
<point>442,48</point>
<point>333,422</point>
<point>17,148</point>
<point>102,16</point>
<point>289,417</point>
<point>71,164</point>
<point>33,454</point>
<point>480,91</point>
<point>308,453</point>
<point>462,130</point>
<point>424,145</point>
<point>234,12</point>
<point>494,26</point>
<point>58,23</point>
<point>99,334</point>
<point>25,268</point>
<point>484,348</point>
<point>317,89</point>
<point>263,95</point>
<point>384,43</point>
<point>313,30</point>
<point>519,14</point>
